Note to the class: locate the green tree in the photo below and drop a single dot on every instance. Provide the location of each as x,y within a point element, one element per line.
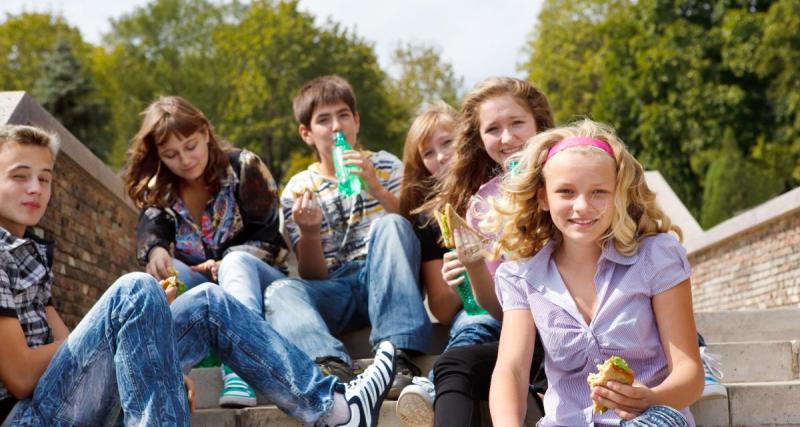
<point>23,39</point>
<point>68,92</point>
<point>734,183</point>
<point>424,78</point>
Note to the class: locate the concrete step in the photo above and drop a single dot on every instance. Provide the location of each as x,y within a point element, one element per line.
<point>752,404</point>
<point>271,416</point>
<point>749,325</point>
<point>765,403</point>
<point>711,413</point>
<point>758,361</point>
<point>357,342</point>
<point>208,381</point>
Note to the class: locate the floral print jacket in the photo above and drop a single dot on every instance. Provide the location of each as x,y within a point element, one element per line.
<point>239,218</point>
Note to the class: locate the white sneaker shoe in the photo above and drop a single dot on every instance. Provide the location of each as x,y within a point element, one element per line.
<point>712,368</point>
<point>366,392</point>
<point>415,404</point>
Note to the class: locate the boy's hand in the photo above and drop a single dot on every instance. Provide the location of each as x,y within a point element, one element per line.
<point>452,269</point>
<point>306,213</point>
<point>159,264</point>
<point>469,248</point>
<point>189,391</point>
<point>627,401</point>
<point>209,268</point>
<point>367,172</point>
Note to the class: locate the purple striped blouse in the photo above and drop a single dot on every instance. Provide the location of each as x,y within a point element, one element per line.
<point>624,324</point>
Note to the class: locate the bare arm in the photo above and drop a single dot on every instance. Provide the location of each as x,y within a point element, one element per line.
<point>678,333</point>
<point>442,300</point>
<point>684,384</point>
<point>386,198</point>
<point>60,330</point>
<point>22,366</point>
<point>508,394</point>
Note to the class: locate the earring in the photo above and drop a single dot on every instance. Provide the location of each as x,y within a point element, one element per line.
<point>151,183</point>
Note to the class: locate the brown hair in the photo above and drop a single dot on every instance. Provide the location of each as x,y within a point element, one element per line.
<point>524,227</point>
<point>417,181</point>
<point>323,90</point>
<point>472,166</point>
<point>29,135</point>
<point>149,184</point>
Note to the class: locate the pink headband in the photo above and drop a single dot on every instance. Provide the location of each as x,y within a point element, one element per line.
<point>579,140</point>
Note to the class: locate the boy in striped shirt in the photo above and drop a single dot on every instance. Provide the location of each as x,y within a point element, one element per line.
<point>358,260</point>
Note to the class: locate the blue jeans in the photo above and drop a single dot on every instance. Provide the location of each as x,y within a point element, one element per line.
<point>130,349</point>
<point>657,416</point>
<point>241,274</point>
<point>382,292</point>
<point>468,330</point>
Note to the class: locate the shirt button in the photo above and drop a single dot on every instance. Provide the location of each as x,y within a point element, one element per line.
<point>596,360</point>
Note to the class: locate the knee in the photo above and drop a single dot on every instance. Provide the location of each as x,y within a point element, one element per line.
<point>282,291</point>
<point>137,282</point>
<point>393,222</point>
<point>236,258</point>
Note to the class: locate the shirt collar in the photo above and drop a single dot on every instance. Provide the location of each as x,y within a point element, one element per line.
<point>610,253</point>
<point>10,242</point>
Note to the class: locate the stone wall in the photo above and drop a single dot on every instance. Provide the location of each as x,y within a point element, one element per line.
<point>750,261</point>
<point>92,222</point>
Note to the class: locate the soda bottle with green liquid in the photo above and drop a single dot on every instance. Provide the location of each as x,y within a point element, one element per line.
<point>350,184</point>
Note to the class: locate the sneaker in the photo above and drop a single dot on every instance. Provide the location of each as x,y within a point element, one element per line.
<point>366,392</point>
<point>415,404</point>
<point>712,368</point>
<point>330,365</point>
<point>406,371</point>
<point>235,392</point>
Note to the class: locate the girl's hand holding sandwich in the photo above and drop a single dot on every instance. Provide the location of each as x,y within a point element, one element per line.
<point>627,401</point>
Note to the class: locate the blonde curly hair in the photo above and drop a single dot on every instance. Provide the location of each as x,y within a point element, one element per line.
<point>524,227</point>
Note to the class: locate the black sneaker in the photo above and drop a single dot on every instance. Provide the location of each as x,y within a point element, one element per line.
<point>406,371</point>
<point>366,392</point>
<point>330,365</point>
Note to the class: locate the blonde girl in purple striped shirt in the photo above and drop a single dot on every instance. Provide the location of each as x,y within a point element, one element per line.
<point>596,267</point>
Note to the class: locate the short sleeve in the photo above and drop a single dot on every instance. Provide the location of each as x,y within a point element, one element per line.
<point>429,235</point>
<point>287,201</point>
<point>511,290</point>
<point>8,307</point>
<point>389,169</point>
<point>666,264</point>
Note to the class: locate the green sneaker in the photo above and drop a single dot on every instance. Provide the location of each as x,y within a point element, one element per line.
<point>235,392</point>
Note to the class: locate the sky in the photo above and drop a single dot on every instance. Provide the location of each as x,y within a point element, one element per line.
<point>479,38</point>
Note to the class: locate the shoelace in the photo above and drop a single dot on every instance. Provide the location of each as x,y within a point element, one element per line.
<point>712,363</point>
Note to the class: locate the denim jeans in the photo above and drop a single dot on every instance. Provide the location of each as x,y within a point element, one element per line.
<point>468,330</point>
<point>658,416</point>
<point>382,291</point>
<point>128,352</point>
<point>241,274</point>
<point>121,354</point>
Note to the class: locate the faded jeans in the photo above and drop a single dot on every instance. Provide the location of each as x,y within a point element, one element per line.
<point>381,292</point>
<point>468,330</point>
<point>131,347</point>
<point>241,274</point>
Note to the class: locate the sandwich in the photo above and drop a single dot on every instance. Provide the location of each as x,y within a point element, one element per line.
<point>173,281</point>
<point>613,369</point>
<point>449,220</point>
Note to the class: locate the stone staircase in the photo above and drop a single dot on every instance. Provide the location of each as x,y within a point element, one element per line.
<point>759,350</point>
<point>760,355</point>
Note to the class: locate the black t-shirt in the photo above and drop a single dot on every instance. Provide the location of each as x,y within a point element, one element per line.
<point>429,239</point>
<point>6,405</point>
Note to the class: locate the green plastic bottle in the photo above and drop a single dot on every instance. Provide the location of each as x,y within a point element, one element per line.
<point>467,298</point>
<point>349,183</point>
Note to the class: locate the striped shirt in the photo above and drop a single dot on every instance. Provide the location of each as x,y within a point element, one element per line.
<point>346,221</point>
<point>25,288</point>
<point>624,324</point>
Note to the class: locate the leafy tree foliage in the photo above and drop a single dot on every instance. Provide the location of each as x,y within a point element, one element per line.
<point>68,92</point>
<point>677,78</point>
<point>424,78</point>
